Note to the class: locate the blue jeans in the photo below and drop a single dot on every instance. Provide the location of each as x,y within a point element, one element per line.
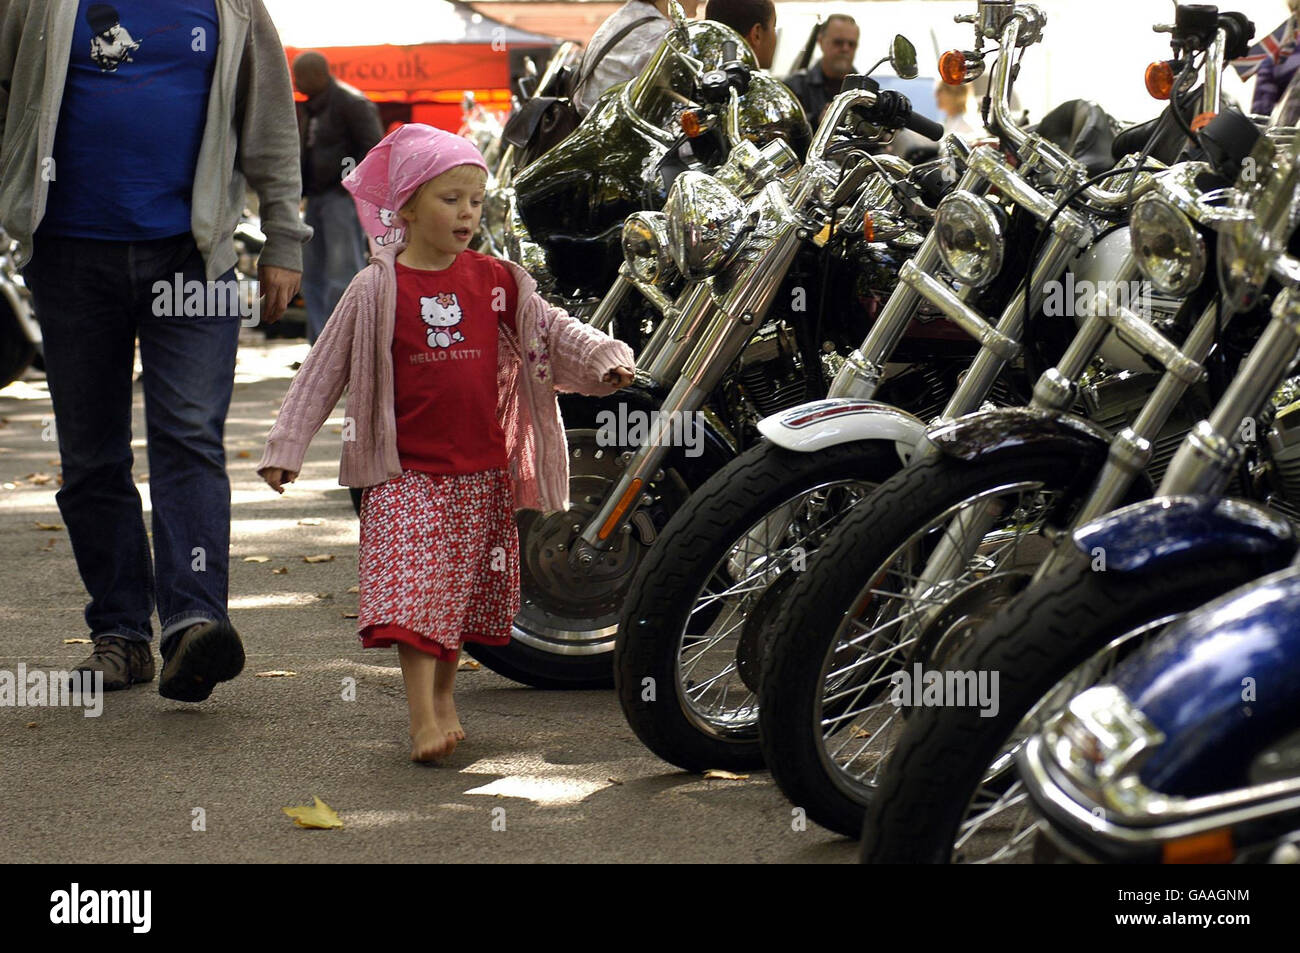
<point>92,298</point>
<point>336,252</point>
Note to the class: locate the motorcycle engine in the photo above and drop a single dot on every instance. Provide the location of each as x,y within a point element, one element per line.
<point>1112,399</point>
<point>771,376</point>
<point>1284,451</point>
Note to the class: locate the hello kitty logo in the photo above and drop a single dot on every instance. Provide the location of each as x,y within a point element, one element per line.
<point>441,312</point>
<point>395,232</point>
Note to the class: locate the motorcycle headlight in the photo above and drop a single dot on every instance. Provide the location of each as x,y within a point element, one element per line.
<point>705,225</point>
<point>1169,251</point>
<point>645,247</point>
<point>971,239</point>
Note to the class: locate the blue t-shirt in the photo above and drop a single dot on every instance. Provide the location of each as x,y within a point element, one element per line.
<point>132,119</point>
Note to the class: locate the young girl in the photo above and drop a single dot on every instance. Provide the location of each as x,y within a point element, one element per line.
<point>452,361</point>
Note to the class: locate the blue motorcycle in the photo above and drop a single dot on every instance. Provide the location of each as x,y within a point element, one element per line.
<point>1191,753</point>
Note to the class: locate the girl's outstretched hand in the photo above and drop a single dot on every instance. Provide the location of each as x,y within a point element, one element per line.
<point>276,477</point>
<point>620,376</point>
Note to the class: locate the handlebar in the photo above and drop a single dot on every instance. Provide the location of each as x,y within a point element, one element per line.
<point>924,127</point>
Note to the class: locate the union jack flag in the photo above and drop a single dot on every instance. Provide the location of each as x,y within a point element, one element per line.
<point>1277,45</point>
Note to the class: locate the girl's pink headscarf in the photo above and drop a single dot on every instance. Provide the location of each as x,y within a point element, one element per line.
<point>399,164</point>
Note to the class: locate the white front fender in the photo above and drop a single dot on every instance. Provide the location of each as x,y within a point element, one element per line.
<point>827,423</point>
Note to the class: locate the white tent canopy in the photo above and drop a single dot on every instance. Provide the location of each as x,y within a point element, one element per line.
<point>1091,49</point>
<point>325,23</point>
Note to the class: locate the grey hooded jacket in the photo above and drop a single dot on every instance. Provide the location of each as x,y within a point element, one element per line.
<point>250,136</point>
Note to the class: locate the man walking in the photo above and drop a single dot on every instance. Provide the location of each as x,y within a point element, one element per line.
<point>822,81</point>
<point>338,125</point>
<point>128,133</point>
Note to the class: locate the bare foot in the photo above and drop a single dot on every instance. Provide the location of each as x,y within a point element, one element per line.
<point>444,709</point>
<point>431,742</point>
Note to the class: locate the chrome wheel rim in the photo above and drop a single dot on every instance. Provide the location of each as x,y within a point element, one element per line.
<point>1001,824</point>
<point>854,719</point>
<point>713,694</point>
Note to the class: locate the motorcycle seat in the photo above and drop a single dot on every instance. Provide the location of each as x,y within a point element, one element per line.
<point>1084,130</point>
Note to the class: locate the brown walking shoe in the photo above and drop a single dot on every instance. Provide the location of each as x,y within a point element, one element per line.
<point>123,662</point>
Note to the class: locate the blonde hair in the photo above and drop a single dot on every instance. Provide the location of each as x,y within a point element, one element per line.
<point>456,172</point>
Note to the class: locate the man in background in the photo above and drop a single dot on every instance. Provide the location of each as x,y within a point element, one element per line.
<point>755,20</point>
<point>822,81</point>
<point>337,126</point>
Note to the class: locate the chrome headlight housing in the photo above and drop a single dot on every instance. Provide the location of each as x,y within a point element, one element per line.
<point>1100,741</point>
<point>1169,251</point>
<point>645,247</point>
<point>706,224</point>
<point>971,238</point>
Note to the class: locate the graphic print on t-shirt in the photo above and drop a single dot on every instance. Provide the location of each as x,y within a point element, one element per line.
<point>111,45</point>
<point>440,313</point>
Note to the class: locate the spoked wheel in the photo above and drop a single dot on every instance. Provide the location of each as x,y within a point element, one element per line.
<point>950,793</point>
<point>689,653</point>
<point>863,637</point>
<point>564,634</point>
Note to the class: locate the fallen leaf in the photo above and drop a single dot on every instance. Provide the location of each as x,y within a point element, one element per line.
<point>257,559</point>
<point>47,527</point>
<point>243,454</point>
<point>348,615</point>
<point>55,463</point>
<point>861,733</point>
<point>38,479</point>
<point>50,544</point>
<point>280,571</point>
<point>77,641</point>
<point>353,589</point>
<point>613,780</point>
<point>468,663</point>
<point>322,558</point>
<point>277,673</point>
<point>324,595</point>
<point>717,774</point>
<point>32,724</point>
<point>311,521</point>
<point>320,816</point>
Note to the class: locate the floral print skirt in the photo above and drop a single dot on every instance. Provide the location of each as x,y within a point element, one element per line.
<point>438,562</point>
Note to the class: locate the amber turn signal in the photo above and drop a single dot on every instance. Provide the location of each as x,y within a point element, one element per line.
<point>1201,121</point>
<point>1212,847</point>
<point>868,227</point>
<point>1160,79</point>
<point>691,124</point>
<point>952,67</point>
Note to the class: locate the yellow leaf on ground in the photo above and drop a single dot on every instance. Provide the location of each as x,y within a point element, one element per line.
<point>614,781</point>
<point>243,454</point>
<point>77,641</point>
<point>280,571</point>
<point>468,663</point>
<point>277,673</point>
<point>717,774</point>
<point>311,521</point>
<point>32,724</point>
<point>320,816</point>
<point>40,479</point>
<point>322,558</point>
<point>348,615</point>
<point>354,589</point>
<point>47,527</point>
<point>257,559</point>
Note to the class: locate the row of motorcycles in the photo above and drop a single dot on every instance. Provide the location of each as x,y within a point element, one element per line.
<point>967,495</point>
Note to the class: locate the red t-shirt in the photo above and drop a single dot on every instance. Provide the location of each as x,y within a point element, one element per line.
<point>445,340</point>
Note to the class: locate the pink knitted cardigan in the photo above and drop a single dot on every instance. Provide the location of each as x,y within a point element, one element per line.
<point>559,352</point>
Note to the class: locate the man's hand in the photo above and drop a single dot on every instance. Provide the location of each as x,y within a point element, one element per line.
<point>620,376</point>
<point>276,478</point>
<point>279,285</point>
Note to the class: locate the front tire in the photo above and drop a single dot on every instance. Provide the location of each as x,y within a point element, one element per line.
<point>827,724</point>
<point>925,809</point>
<point>727,529</point>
